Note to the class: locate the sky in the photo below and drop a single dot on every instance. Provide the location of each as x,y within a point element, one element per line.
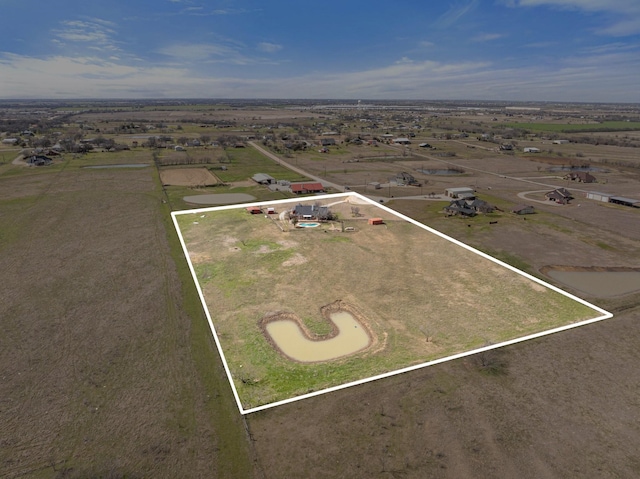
<point>512,50</point>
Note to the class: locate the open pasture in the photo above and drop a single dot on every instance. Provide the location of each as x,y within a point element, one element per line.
<point>423,297</point>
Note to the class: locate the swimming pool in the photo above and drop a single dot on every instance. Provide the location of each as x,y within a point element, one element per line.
<point>307,225</point>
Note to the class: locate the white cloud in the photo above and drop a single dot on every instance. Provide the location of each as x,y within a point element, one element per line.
<point>455,13</point>
<point>487,37</point>
<point>269,47</point>
<point>578,78</point>
<point>624,14</point>
<point>94,33</point>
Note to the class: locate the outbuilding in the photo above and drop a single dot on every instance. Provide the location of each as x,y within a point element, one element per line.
<point>460,192</point>
<point>524,210</point>
<point>597,196</point>
<point>376,221</point>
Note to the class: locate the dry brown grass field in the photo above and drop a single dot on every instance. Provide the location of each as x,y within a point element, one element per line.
<point>97,346</point>
<point>423,297</point>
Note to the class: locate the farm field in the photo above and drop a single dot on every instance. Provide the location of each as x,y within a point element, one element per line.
<point>110,369</point>
<point>106,371</point>
<point>421,296</point>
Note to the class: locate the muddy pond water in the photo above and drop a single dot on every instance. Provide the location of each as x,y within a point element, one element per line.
<point>292,341</point>
<point>600,284</point>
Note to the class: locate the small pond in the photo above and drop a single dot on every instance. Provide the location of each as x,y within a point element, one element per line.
<point>601,284</point>
<point>292,341</point>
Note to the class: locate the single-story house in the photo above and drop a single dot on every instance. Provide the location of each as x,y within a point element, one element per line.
<point>531,149</point>
<point>10,141</point>
<point>460,192</point>
<point>304,188</point>
<point>523,210</point>
<point>469,207</point>
<point>559,195</point>
<point>311,212</point>
<point>328,141</point>
<point>506,147</point>
<point>580,177</point>
<point>459,207</point>
<point>402,141</point>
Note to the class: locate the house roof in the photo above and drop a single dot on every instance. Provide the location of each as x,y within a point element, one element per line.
<point>311,210</point>
<point>298,187</point>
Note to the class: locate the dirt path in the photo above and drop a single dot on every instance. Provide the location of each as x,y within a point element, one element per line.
<point>279,160</point>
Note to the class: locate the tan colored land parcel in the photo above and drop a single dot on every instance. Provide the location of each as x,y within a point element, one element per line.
<point>418,296</point>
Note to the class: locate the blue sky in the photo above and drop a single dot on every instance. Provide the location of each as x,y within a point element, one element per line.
<point>547,50</point>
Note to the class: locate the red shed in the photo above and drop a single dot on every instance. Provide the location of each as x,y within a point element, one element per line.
<point>376,221</point>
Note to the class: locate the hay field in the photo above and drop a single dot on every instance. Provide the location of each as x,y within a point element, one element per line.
<point>423,296</point>
<point>188,177</point>
<point>102,351</point>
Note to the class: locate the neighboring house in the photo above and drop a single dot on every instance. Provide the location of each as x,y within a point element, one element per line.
<point>305,188</point>
<point>580,177</point>
<point>328,141</point>
<point>459,207</point>
<point>506,147</point>
<point>263,179</point>
<point>39,160</point>
<point>531,149</point>
<point>10,141</point>
<point>469,207</point>
<point>311,212</point>
<point>402,141</point>
<point>524,210</point>
<point>561,196</point>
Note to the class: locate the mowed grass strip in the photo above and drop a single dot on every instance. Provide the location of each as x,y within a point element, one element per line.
<point>424,297</point>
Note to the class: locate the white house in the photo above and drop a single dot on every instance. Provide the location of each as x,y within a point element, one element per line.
<point>531,149</point>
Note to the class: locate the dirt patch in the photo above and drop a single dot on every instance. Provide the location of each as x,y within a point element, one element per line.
<point>193,177</point>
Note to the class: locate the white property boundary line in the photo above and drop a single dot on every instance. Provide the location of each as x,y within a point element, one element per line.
<point>603,314</point>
